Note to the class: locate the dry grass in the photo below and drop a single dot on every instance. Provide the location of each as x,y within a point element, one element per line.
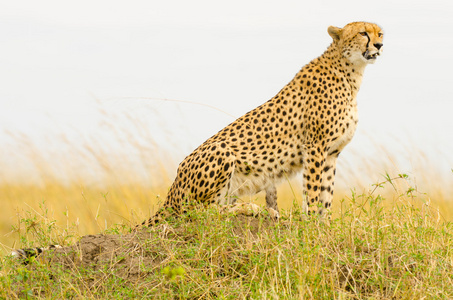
<point>76,210</point>
<point>73,208</point>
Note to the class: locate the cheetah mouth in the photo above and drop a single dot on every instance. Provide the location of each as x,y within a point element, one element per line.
<point>368,56</point>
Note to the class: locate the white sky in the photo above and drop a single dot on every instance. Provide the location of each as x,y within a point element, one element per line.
<point>65,66</point>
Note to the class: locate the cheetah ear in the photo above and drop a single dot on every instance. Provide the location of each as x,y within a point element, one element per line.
<point>334,32</point>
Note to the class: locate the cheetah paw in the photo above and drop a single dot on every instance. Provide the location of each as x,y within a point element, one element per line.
<point>273,214</point>
<point>248,209</point>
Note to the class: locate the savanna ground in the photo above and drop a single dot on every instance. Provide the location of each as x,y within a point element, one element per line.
<point>385,240</point>
<point>390,242</point>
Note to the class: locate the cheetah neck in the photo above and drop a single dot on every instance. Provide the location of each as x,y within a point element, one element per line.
<point>334,61</point>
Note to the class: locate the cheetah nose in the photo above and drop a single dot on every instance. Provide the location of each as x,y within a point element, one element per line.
<point>378,45</point>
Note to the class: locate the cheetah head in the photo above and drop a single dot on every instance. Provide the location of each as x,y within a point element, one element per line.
<point>359,42</point>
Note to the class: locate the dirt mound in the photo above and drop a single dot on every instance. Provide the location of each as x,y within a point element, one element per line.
<point>135,255</point>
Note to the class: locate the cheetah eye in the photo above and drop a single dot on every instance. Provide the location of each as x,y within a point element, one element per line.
<point>364,33</point>
<point>380,34</point>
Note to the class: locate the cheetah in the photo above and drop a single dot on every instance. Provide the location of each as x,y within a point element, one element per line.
<point>302,129</point>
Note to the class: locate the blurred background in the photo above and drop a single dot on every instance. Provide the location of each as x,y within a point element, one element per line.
<point>102,96</point>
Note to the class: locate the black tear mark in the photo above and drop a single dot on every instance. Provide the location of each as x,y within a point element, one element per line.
<point>368,37</point>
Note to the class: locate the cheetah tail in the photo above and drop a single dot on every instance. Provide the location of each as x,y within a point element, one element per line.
<point>27,253</point>
<point>162,214</point>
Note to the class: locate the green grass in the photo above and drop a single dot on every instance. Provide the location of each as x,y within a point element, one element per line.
<point>372,248</point>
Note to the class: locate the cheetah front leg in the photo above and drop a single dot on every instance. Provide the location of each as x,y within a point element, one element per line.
<point>327,186</point>
<point>312,170</point>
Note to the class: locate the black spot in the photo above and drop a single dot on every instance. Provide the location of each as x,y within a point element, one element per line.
<point>226,167</point>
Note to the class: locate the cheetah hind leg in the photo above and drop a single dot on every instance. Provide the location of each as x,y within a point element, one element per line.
<point>271,202</point>
<point>252,209</point>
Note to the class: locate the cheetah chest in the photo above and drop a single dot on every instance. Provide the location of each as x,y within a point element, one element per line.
<point>345,131</point>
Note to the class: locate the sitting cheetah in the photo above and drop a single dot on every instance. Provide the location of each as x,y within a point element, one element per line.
<point>303,128</point>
